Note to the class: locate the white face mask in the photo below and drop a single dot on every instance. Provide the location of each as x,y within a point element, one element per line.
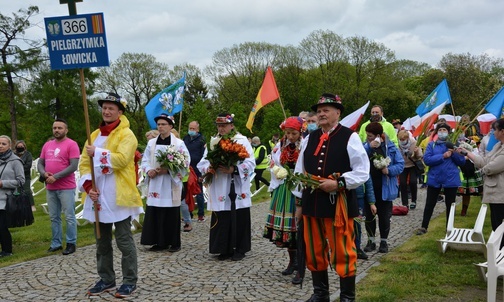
<point>442,135</point>
<point>377,139</point>
<point>404,143</point>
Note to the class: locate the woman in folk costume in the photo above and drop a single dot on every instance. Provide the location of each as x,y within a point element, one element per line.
<point>230,226</point>
<point>161,227</point>
<point>281,220</point>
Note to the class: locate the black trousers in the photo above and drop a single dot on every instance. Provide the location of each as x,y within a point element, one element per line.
<point>403,185</point>
<point>5,235</point>
<point>259,177</point>
<point>384,212</point>
<point>431,200</point>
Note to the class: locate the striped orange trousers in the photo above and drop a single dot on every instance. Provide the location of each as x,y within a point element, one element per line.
<point>321,237</point>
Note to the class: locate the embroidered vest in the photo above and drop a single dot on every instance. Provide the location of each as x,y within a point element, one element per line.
<point>332,158</point>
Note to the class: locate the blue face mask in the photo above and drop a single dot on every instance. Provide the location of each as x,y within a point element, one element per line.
<point>311,127</point>
<point>442,136</point>
<point>192,132</point>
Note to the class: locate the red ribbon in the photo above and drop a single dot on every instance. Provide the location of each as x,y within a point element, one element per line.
<point>323,137</point>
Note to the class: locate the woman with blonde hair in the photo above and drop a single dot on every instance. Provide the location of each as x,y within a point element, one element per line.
<point>408,178</point>
<point>11,177</point>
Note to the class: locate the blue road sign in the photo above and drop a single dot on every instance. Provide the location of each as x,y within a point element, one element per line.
<point>77,41</point>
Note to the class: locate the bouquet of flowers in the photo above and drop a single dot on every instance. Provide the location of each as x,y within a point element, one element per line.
<point>305,180</point>
<point>466,146</point>
<point>280,172</point>
<point>223,152</point>
<point>379,161</point>
<point>172,159</point>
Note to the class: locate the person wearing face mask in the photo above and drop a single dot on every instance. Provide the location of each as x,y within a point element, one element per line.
<point>385,186</point>
<point>377,116</point>
<point>311,123</point>
<point>443,173</point>
<point>27,159</point>
<point>408,178</point>
<point>262,162</point>
<point>196,144</point>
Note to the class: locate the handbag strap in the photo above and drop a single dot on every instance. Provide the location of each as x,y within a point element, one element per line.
<point>5,166</point>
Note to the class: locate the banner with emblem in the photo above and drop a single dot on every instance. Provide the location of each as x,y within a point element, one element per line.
<point>170,101</point>
<point>437,97</point>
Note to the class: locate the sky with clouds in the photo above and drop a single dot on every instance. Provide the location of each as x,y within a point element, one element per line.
<point>177,32</point>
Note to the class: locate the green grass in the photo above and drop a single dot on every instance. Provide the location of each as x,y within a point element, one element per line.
<point>418,271</point>
<point>31,242</point>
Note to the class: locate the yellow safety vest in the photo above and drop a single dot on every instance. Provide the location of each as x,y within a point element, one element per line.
<point>264,163</point>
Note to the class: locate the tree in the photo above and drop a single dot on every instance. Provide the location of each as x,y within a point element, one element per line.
<point>137,77</point>
<point>18,54</point>
<point>325,50</point>
<point>473,80</point>
<point>56,94</point>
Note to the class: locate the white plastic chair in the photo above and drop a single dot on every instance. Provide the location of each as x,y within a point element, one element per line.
<point>465,239</point>
<point>495,255</point>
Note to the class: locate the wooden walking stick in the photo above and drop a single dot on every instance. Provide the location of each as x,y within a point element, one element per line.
<point>88,135</point>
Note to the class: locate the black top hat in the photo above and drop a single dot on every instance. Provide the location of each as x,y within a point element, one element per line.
<point>166,117</point>
<point>114,98</point>
<point>329,99</point>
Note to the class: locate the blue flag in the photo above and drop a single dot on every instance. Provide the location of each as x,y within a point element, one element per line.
<point>495,105</point>
<point>437,97</point>
<point>170,101</point>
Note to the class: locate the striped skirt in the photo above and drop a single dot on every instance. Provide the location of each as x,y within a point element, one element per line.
<point>280,225</point>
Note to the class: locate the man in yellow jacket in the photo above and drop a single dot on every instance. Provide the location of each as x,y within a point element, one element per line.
<point>115,196</point>
<point>377,116</point>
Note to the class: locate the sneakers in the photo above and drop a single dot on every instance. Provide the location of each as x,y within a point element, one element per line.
<point>101,287</point>
<point>362,255</point>
<point>125,290</point>
<point>187,227</point>
<point>5,254</point>
<point>383,247</point>
<point>412,206</point>
<point>421,231</point>
<point>201,218</point>
<point>70,249</point>
<point>54,249</point>
<point>370,246</point>
<point>440,198</point>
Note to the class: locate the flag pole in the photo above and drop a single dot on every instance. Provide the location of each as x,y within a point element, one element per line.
<point>281,105</point>
<point>180,123</point>
<point>88,136</point>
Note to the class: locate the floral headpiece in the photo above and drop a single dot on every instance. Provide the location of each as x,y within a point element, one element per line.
<point>329,99</point>
<point>228,119</point>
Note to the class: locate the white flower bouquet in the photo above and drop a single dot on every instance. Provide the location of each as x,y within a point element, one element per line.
<point>172,159</point>
<point>379,161</point>
<point>279,172</point>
